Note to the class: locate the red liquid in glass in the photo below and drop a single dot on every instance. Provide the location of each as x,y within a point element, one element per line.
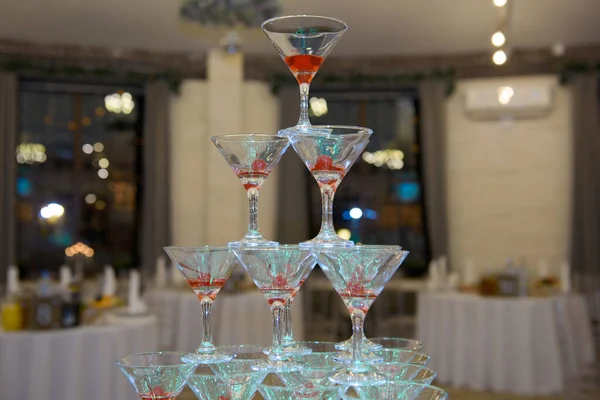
<point>304,66</point>
<point>205,286</point>
<point>252,179</point>
<point>358,299</point>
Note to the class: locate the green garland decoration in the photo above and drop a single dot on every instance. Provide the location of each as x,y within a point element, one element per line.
<point>21,66</point>
<point>359,79</point>
<point>572,69</point>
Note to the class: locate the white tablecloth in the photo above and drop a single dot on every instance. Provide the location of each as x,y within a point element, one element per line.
<point>243,318</point>
<point>507,345</point>
<point>72,364</point>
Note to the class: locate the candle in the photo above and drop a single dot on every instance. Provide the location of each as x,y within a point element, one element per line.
<point>65,277</point>
<point>135,303</point>
<point>543,270</point>
<point>110,284</point>
<point>565,277</point>
<point>12,280</point>
<point>160,279</point>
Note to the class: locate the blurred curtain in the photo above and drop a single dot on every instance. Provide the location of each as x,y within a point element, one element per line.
<point>432,97</point>
<point>293,196</point>
<point>585,235</point>
<point>8,134</point>
<point>156,211</point>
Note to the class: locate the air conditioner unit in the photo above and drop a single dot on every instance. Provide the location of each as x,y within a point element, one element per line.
<point>485,101</point>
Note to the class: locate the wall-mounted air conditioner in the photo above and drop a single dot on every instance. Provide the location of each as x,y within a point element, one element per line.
<point>505,99</point>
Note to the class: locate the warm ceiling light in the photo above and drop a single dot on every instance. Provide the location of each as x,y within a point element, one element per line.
<point>498,39</point>
<point>499,57</point>
<point>500,3</point>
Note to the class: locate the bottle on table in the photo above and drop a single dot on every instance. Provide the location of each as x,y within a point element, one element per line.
<point>70,293</point>
<point>46,305</point>
<point>12,310</point>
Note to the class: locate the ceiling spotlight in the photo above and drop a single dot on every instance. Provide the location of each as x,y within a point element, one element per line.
<point>500,3</point>
<point>498,39</point>
<point>499,57</point>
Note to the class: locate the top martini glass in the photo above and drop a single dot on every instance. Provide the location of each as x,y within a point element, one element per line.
<point>328,152</point>
<point>252,157</point>
<point>304,41</point>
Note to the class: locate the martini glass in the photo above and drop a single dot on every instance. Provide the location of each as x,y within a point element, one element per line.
<point>290,347</point>
<point>274,388</point>
<point>395,371</point>
<point>304,41</point>
<point>384,343</point>
<point>328,152</point>
<point>233,380</point>
<point>206,270</point>
<point>252,157</point>
<point>402,356</point>
<point>394,390</point>
<point>317,368</point>
<point>156,375</point>
<point>278,272</point>
<point>359,274</point>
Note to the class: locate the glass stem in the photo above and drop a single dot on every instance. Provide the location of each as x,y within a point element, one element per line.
<point>206,345</point>
<point>304,89</point>
<point>253,231</point>
<point>327,194</point>
<point>358,321</point>
<point>288,335</point>
<point>278,310</point>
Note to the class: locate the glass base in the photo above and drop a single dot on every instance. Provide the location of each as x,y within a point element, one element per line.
<point>367,345</point>
<point>303,129</point>
<point>262,242</point>
<point>206,358</point>
<point>327,241</point>
<point>367,357</point>
<point>285,365</point>
<point>358,377</point>
<point>291,350</point>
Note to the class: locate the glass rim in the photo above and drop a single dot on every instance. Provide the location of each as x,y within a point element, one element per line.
<point>391,338</point>
<point>403,382</point>
<point>263,26</point>
<point>358,247</point>
<point>298,388</point>
<point>405,364</point>
<point>121,361</point>
<point>271,248</point>
<point>299,132</point>
<point>424,385</point>
<point>240,137</point>
<point>206,247</point>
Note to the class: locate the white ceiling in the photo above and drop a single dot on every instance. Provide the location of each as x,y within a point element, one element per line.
<point>382,27</point>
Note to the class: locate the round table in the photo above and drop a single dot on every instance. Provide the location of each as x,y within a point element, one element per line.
<point>507,345</point>
<point>72,364</point>
<point>240,318</point>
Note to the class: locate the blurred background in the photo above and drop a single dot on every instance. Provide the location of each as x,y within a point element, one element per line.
<point>483,164</point>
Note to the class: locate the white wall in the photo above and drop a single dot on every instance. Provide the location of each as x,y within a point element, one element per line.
<point>509,183</point>
<point>209,204</point>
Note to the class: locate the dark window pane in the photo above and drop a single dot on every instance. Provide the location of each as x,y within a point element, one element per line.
<point>392,206</point>
<point>78,178</point>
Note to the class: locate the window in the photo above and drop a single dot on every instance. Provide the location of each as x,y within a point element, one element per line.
<point>392,210</point>
<point>79,172</point>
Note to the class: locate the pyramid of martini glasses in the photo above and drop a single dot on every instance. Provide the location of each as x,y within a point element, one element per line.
<point>388,368</point>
